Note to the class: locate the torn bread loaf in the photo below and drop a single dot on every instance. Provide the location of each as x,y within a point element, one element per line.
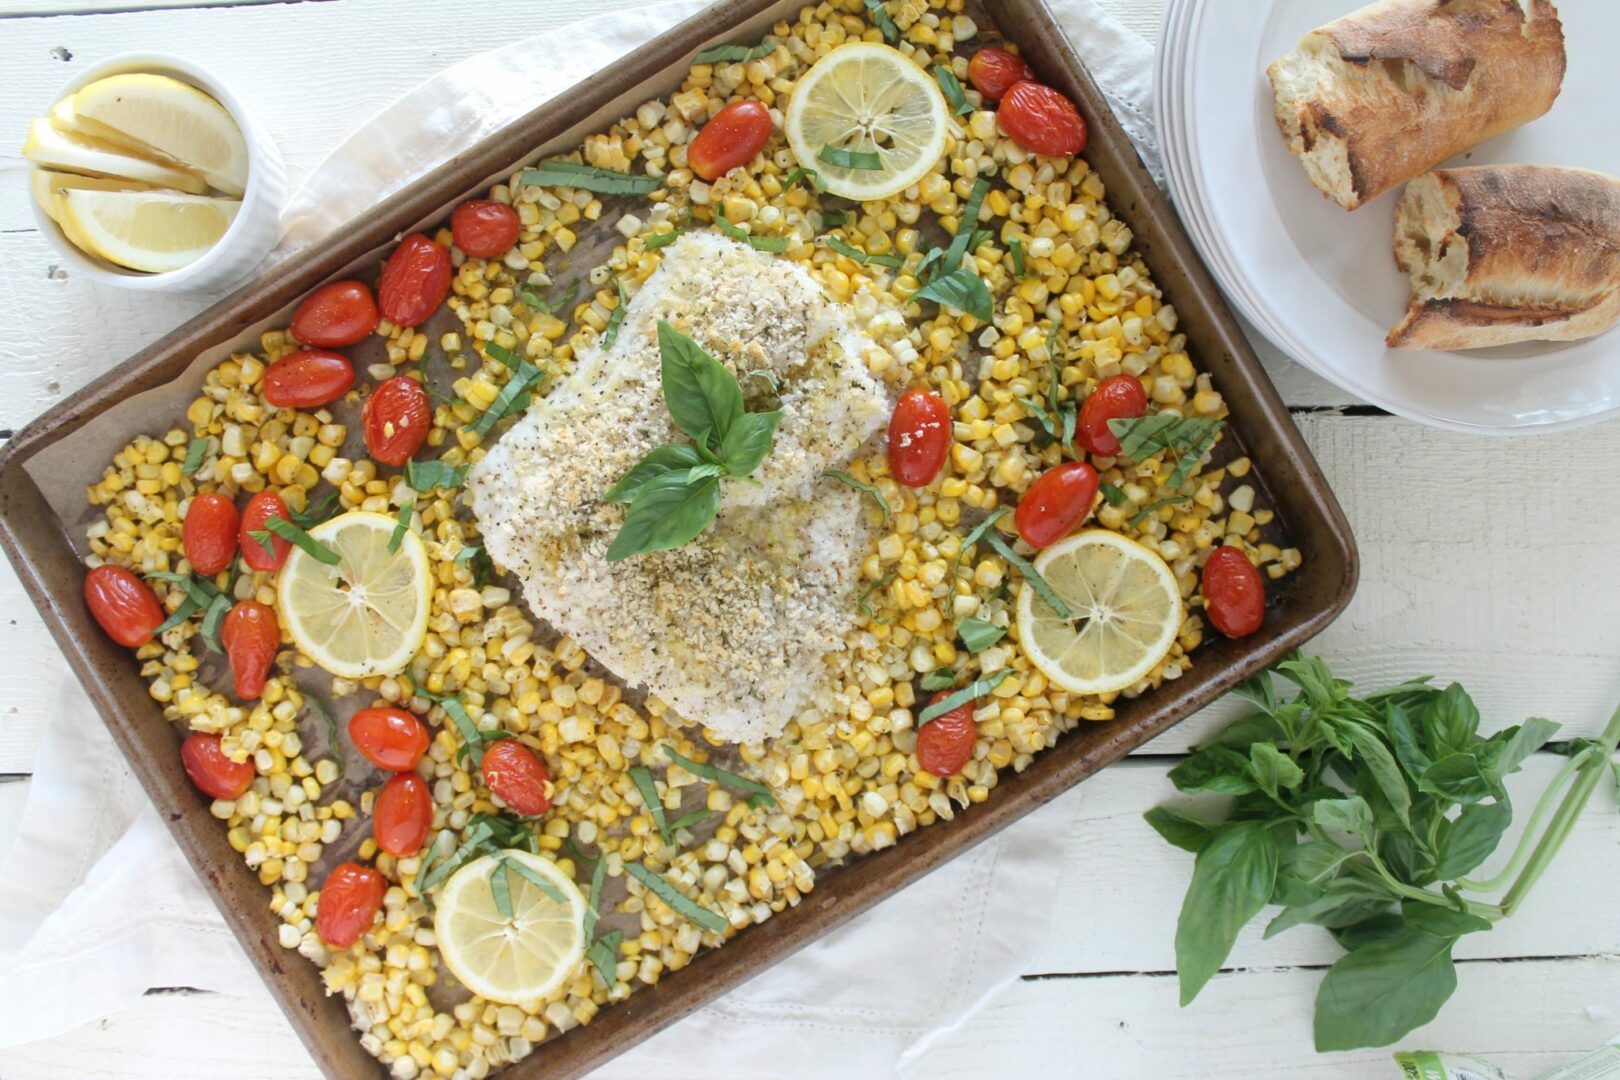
<point>1373,99</point>
<point>1507,253</point>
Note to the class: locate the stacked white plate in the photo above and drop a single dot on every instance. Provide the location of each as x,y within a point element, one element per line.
<point>1321,283</point>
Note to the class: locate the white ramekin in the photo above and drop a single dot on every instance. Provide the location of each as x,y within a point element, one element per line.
<point>257,224</point>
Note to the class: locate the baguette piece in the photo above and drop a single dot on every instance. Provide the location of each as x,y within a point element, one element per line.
<point>1382,95</point>
<point>1506,253</point>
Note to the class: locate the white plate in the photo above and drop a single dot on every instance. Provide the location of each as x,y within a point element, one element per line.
<point>1322,282</point>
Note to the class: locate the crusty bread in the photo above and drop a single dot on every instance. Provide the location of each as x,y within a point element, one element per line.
<point>1390,91</point>
<point>1505,253</point>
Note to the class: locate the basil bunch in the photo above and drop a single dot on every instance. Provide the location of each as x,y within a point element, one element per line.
<point>674,492</point>
<point>1363,815</point>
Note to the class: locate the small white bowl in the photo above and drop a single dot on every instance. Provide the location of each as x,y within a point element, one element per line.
<point>257,224</point>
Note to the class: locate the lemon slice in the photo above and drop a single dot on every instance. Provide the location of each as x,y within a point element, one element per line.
<point>368,614</point>
<point>171,117</point>
<point>868,98</point>
<point>519,960</point>
<point>55,149</point>
<point>156,231</point>
<point>1126,607</point>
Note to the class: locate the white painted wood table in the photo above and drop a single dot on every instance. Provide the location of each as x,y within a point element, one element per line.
<point>1486,561</point>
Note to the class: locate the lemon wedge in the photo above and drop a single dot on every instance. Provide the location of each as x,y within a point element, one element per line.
<point>867,99</point>
<point>367,614</point>
<point>1126,611</point>
<point>171,117</point>
<point>55,149</point>
<point>155,231</point>
<point>47,186</point>
<point>516,959</point>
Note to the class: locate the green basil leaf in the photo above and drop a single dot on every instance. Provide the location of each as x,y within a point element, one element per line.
<point>1259,691</point>
<point>424,476</point>
<point>593,899</point>
<point>1377,759</point>
<point>968,223</point>
<point>1154,506</point>
<point>860,256</point>
<point>402,525</point>
<point>1380,992</point>
<point>1351,815</point>
<point>734,54</point>
<point>967,694</point>
<point>323,509</point>
<point>939,679</point>
<point>602,181</point>
<point>879,10</point>
<point>1185,832</point>
<point>845,158</point>
<point>1016,246</point>
<point>973,537</point>
<point>1518,743</point>
<point>1408,741</point>
<point>1459,777</point>
<point>616,320</point>
<point>978,635</point>
<point>869,490</point>
<point>1187,438</point>
<point>1112,495</point>
<point>687,821</point>
<point>508,400</point>
<point>1272,769</point>
<point>664,459</point>
<point>1465,843</point>
<point>1441,921</point>
<point>188,607</point>
<point>1384,927</point>
<point>667,512</point>
<point>1311,675</point>
<point>748,441</point>
<point>703,396</point>
<point>213,618</point>
<point>195,453</point>
<point>1232,879</point>
<point>951,86</point>
<point>1451,721</point>
<point>500,887</point>
<point>1345,901</point>
<point>866,595</point>
<point>509,359</point>
<point>721,776</point>
<point>265,540</point>
<point>680,903</point>
<point>773,244</point>
<point>1216,769</point>
<point>660,240</point>
<point>604,956</point>
<point>963,290</point>
<point>1032,577</point>
<point>472,739</point>
<point>800,174</point>
<point>643,779</point>
<point>1251,729</point>
<point>1313,862</point>
<point>299,538</point>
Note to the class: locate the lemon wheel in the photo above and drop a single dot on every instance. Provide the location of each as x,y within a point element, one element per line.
<point>1126,612</point>
<point>519,958</point>
<point>367,614</point>
<point>867,98</point>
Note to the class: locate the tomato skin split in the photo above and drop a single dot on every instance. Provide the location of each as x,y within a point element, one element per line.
<point>518,775</point>
<point>1042,121</point>
<point>994,71</point>
<point>124,605</point>
<point>349,903</point>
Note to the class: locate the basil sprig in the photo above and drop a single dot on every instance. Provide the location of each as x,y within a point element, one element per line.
<point>1187,439</point>
<point>674,492</point>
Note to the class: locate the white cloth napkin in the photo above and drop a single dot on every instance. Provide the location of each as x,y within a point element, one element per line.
<point>865,1001</point>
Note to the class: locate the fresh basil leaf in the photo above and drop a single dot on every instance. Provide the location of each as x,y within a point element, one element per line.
<point>1377,759</point>
<point>964,696</point>
<point>1408,741</point>
<point>869,490</point>
<point>424,476</point>
<point>863,603</point>
<point>664,459</point>
<point>509,359</point>
<point>703,396</point>
<point>951,87</point>
<point>667,512</point>
<point>507,401</point>
<point>604,956</point>
<point>977,533</point>
<point>524,872</point>
<point>1232,879</point>
<point>196,451</point>
<point>939,678</point>
<point>1112,495</point>
<point>660,240</point>
<point>748,441</point>
<point>1313,862</point>
<point>1216,769</point>
<point>1272,769</point>
<point>1032,577</point>
<point>1154,506</point>
<point>1511,748</point>
<point>1016,246</point>
<point>1188,439</point>
<point>188,607</point>
<point>1351,815</point>
<point>1461,778</point>
<point>680,903</point>
<point>500,887</point>
<point>1451,721</point>
<point>1185,832</point>
<point>402,525</point>
<point>1466,842</point>
<point>1384,927</point>
<point>299,538</point>
<point>845,158</point>
<point>643,779</point>
<point>801,174</point>
<point>616,320</point>
<point>593,898</point>
<point>692,820</point>
<point>1259,691</point>
<point>1251,729</point>
<point>773,244</point>
<point>734,54</point>
<point>879,10</point>
<point>893,261</point>
<point>1440,921</point>
<point>602,181</point>
<point>1345,901</point>
<point>472,739</point>
<point>963,290</point>
<point>1312,676</point>
<point>323,509</point>
<point>721,776</point>
<point>978,635</point>
<point>265,540</point>
<point>967,224</point>
<point>1380,992</point>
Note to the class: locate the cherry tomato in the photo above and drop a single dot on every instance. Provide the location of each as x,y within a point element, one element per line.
<point>403,814</point>
<point>518,776</point>
<point>945,743</point>
<point>1117,398</point>
<point>262,507</point>
<point>349,903</point>
<point>396,418</point>
<point>484,228</point>
<point>993,71</point>
<point>919,437</point>
<point>732,138</point>
<point>1055,503</point>
<point>124,605</point>
<point>415,280</point>
<point>389,738</point>
<point>336,315</point>
<point>215,775</point>
<point>209,533</point>
<point>251,637</point>
<point>1234,595</point>
<point>1042,121</point>
<point>308,379</point>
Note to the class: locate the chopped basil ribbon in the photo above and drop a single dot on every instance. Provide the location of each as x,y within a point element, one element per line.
<point>1188,439</point>
<point>802,173</point>
<point>682,905</point>
<point>316,512</point>
<point>643,779</point>
<point>1016,246</point>
<point>602,181</point>
<point>696,817</point>
<point>734,54</point>
<point>658,240</point>
<point>402,525</point>
<point>593,899</point>
<point>194,457</point>
<point>961,697</point>
<point>1151,507</point>
<point>722,776</point>
<point>978,635</point>
<point>424,476</point>
<point>506,401</point>
<point>291,533</point>
<point>879,10</point>
<point>870,490</point>
<point>616,320</point>
<point>188,608</point>
<point>963,290</point>
<point>1112,495</point>
<point>952,87</point>
<point>939,678</point>
<point>772,244</point>
<point>528,874</point>
<point>1031,577</point>
<point>865,160</point>
<point>604,956</point>
<point>862,257</point>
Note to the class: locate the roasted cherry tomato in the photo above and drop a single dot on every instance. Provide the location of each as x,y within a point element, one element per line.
<point>335,316</point>
<point>396,418</point>
<point>349,903</point>
<point>415,280</point>
<point>251,637</point>
<point>124,605</point>
<point>308,379</point>
<point>1234,595</point>
<point>1055,503</point>
<point>919,437</point>
<point>261,508</point>
<point>484,228</point>
<point>215,775</point>
<point>403,814</point>
<point>1118,398</point>
<point>209,533</point>
<point>389,738</point>
<point>993,72</point>
<point>518,776</point>
<point>945,743</point>
<point>732,138</point>
<point>1042,120</point>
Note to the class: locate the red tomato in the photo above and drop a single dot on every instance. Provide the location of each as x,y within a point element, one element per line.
<point>389,738</point>
<point>484,228</point>
<point>349,903</point>
<point>336,315</point>
<point>1055,503</point>
<point>518,776</point>
<point>1042,120</point>
<point>308,379</point>
<point>124,605</point>
<point>1118,398</point>
<point>251,637</point>
<point>260,508</point>
<point>396,418</point>
<point>403,814</point>
<point>1234,595</point>
<point>215,775</point>
<point>945,743</point>
<point>415,280</point>
<point>209,533</point>
<point>919,437</point>
<point>993,71</point>
<point>732,138</point>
